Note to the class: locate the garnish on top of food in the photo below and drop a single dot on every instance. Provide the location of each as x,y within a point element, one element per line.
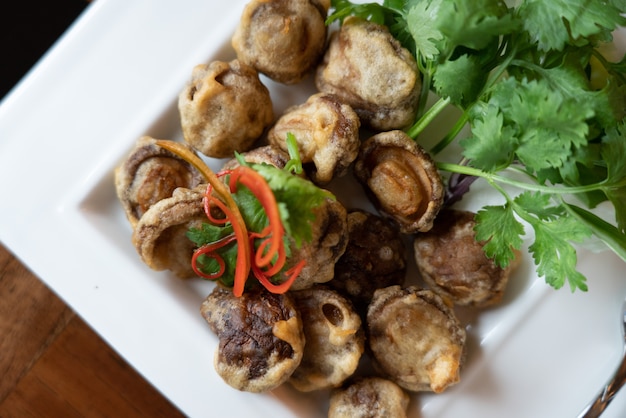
<point>543,103</point>
<point>254,214</point>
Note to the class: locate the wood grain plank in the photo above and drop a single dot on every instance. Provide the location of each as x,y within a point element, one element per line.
<point>79,375</point>
<point>31,317</point>
<point>53,364</point>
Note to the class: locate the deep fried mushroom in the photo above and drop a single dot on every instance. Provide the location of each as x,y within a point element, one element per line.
<point>224,108</point>
<point>374,258</point>
<point>368,69</point>
<point>453,263</point>
<point>415,338</point>
<point>328,243</point>
<point>160,235</point>
<point>327,133</point>
<point>401,179</point>
<point>334,339</point>
<point>371,397</point>
<point>283,39</point>
<point>260,337</point>
<point>149,174</point>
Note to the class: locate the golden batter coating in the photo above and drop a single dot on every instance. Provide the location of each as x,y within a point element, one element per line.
<point>224,108</point>
<point>160,235</point>
<point>327,133</point>
<point>368,69</point>
<point>401,179</point>
<point>453,263</point>
<point>371,397</point>
<point>415,338</point>
<point>149,174</point>
<point>260,337</point>
<point>283,39</point>
<point>334,339</point>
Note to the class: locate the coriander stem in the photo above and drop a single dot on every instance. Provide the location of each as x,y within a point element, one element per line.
<point>427,73</point>
<point>446,140</point>
<point>428,117</point>
<point>493,177</point>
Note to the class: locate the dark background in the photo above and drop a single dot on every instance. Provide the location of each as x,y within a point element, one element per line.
<point>27,30</point>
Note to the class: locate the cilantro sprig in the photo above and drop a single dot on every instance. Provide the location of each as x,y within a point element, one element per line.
<point>524,80</point>
<point>276,208</point>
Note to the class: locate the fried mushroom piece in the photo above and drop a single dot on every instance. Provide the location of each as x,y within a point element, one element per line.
<point>453,263</point>
<point>374,258</point>
<point>283,39</point>
<point>260,337</point>
<point>415,338</point>
<point>160,235</point>
<point>369,397</point>
<point>368,69</point>
<point>149,174</point>
<point>334,339</point>
<point>327,133</point>
<point>401,180</point>
<point>328,243</point>
<point>224,108</point>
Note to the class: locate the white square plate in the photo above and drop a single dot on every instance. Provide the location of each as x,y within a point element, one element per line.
<point>114,76</point>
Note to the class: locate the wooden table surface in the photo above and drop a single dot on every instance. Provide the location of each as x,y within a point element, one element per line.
<point>52,364</point>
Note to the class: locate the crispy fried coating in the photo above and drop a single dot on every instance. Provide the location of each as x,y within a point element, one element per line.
<point>283,39</point>
<point>415,338</point>
<point>224,108</point>
<point>327,133</point>
<point>454,264</point>
<point>368,69</point>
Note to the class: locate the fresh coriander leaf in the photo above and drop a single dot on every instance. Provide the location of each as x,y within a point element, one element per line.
<point>609,103</point>
<point>501,232</point>
<point>297,197</point>
<point>549,124</point>
<point>582,168</point>
<point>461,79</point>
<point>492,144</point>
<point>614,153</point>
<point>474,24</point>
<point>556,23</point>
<point>540,205</point>
<point>421,22</point>
<point>373,12</point>
<point>553,253</point>
<point>252,211</point>
<point>208,233</point>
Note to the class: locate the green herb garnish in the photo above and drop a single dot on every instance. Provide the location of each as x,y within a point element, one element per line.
<point>524,80</point>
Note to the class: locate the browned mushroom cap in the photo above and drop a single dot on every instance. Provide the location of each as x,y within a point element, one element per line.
<point>283,39</point>
<point>415,338</point>
<point>225,108</point>
<point>371,397</point>
<point>267,154</point>
<point>374,258</point>
<point>327,133</point>
<point>453,263</point>
<point>334,339</point>
<point>260,337</point>
<point>148,174</point>
<point>368,68</point>
<point>401,179</point>
<point>328,243</point>
<point>160,235</point>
